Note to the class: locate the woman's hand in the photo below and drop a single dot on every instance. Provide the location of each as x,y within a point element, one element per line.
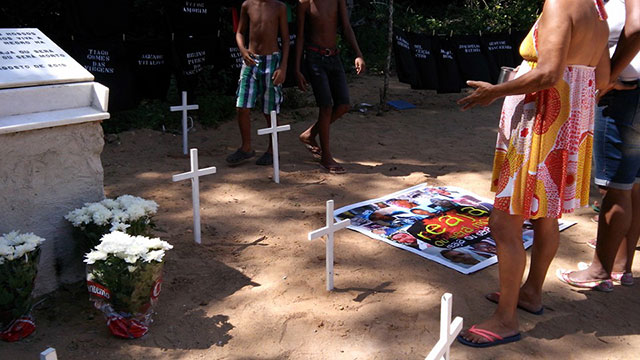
<point>483,95</point>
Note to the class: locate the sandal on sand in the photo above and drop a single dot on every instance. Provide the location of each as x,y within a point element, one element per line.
<point>314,150</point>
<point>493,338</point>
<point>622,278</point>
<point>240,156</point>
<point>334,169</point>
<point>600,285</point>
<point>492,297</point>
<point>265,159</point>
<point>618,278</point>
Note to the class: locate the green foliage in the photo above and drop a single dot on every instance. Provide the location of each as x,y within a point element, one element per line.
<point>17,278</point>
<point>130,290</point>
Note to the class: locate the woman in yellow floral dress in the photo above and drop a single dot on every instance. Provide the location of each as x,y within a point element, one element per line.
<point>542,163</point>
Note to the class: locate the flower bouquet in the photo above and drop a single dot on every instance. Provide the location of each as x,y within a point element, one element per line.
<point>126,213</point>
<point>19,254</point>
<point>124,280</point>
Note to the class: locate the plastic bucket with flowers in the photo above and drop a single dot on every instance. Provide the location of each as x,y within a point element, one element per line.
<point>124,278</point>
<point>19,255</point>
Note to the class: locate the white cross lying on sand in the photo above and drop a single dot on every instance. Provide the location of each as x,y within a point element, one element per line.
<point>329,230</point>
<point>274,130</point>
<point>448,330</point>
<point>184,108</point>
<point>194,175</point>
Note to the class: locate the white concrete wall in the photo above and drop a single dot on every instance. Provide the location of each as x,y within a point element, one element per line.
<point>44,174</point>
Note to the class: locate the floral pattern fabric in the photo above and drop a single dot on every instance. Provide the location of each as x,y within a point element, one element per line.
<point>542,162</point>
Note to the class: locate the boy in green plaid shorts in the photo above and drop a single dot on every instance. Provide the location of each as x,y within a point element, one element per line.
<point>263,71</point>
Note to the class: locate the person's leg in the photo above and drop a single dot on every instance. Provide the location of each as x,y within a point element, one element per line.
<point>506,230</point>
<point>546,237</point>
<point>627,250</point>
<point>244,123</point>
<point>317,77</point>
<point>615,221</point>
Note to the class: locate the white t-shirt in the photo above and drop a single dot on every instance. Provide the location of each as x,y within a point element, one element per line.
<point>616,12</point>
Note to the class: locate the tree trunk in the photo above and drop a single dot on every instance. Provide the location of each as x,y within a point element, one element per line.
<point>385,88</point>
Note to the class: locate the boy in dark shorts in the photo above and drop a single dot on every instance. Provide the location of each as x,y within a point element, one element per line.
<point>263,71</point>
<point>324,70</point>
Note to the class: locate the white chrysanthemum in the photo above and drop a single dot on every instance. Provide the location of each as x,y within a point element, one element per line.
<point>95,255</point>
<point>131,259</point>
<point>90,277</point>
<point>5,249</point>
<point>11,238</point>
<point>110,204</point>
<point>118,226</point>
<point>155,255</point>
<point>118,215</point>
<point>131,268</point>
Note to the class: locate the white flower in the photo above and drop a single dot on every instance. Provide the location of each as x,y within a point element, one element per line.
<point>15,245</point>
<point>118,226</point>
<point>110,204</point>
<point>131,259</point>
<point>95,255</point>
<point>155,255</point>
<point>131,268</point>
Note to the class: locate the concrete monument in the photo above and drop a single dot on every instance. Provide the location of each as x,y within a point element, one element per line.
<point>50,145</point>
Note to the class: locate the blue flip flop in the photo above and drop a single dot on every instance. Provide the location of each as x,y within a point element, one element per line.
<point>494,339</point>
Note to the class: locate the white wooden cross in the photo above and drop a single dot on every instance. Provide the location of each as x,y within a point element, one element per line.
<point>274,130</point>
<point>194,175</point>
<point>49,354</point>
<point>329,230</point>
<point>448,330</point>
<point>184,108</point>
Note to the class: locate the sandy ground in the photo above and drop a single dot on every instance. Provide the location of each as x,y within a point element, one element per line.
<point>255,288</point>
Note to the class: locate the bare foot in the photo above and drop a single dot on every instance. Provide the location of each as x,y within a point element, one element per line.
<point>311,144</point>
<point>526,302</point>
<point>493,325</point>
<point>589,274</point>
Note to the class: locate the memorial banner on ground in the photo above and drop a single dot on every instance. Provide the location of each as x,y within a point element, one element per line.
<point>446,224</point>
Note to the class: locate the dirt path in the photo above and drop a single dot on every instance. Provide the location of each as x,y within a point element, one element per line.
<point>255,288</point>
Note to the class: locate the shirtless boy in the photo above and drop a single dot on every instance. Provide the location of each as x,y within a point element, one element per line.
<point>263,71</point>
<point>324,70</point>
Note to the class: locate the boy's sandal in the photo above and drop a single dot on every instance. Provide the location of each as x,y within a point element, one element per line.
<point>265,159</point>
<point>599,285</point>
<point>240,156</point>
<point>334,169</point>
<point>493,338</point>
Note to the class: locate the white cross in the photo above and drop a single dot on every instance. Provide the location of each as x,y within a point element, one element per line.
<point>329,230</point>
<point>184,108</point>
<point>448,330</point>
<point>194,175</point>
<point>49,354</point>
<point>274,130</point>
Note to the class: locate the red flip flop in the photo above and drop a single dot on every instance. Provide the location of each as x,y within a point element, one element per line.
<point>493,338</point>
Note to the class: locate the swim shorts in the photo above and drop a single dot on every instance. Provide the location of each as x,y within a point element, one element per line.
<point>256,82</point>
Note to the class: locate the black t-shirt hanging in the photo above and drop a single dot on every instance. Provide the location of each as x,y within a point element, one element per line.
<point>98,18</point>
<point>425,75</point>
<point>405,64</point>
<point>107,61</point>
<point>472,63</point>
<point>191,57</point>
<point>448,74</point>
<point>499,52</point>
<point>151,61</point>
